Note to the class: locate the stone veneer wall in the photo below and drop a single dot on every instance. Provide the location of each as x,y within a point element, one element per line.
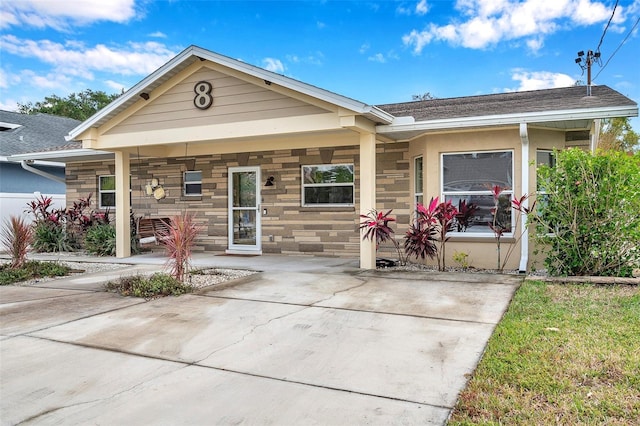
<point>287,228</point>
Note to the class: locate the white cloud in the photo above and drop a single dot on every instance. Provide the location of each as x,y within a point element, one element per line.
<point>320,25</point>
<point>77,59</point>
<point>485,23</point>
<point>117,87</point>
<point>364,48</point>
<point>9,105</point>
<point>62,15</point>
<point>422,7</point>
<point>536,80</point>
<point>378,57</point>
<point>158,34</point>
<point>274,65</point>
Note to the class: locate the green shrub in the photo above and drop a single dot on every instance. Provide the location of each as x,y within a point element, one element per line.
<point>149,287</point>
<point>31,269</point>
<point>101,240</point>
<point>49,237</point>
<point>589,221</point>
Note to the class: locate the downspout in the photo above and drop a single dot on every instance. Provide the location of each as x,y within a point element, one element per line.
<point>44,174</point>
<point>524,241</point>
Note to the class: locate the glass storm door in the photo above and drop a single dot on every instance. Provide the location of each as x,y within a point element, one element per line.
<point>244,210</point>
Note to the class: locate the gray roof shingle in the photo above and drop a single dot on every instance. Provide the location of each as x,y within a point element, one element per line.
<point>565,98</point>
<point>36,133</point>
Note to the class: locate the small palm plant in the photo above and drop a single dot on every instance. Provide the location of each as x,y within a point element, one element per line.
<point>16,236</point>
<point>178,239</point>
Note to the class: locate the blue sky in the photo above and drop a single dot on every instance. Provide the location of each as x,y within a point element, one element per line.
<point>374,51</point>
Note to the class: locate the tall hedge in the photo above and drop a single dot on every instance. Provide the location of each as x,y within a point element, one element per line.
<point>589,219</point>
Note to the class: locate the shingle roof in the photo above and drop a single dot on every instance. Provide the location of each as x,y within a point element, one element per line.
<point>566,98</point>
<point>35,133</point>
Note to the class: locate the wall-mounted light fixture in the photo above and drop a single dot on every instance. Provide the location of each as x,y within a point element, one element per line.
<point>269,181</point>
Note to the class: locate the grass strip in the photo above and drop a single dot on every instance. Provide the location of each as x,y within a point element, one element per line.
<point>562,354</point>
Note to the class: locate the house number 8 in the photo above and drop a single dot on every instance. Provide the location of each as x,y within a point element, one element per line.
<point>203,99</point>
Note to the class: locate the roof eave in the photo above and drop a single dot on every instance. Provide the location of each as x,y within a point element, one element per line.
<point>60,156</point>
<point>372,112</point>
<point>508,119</point>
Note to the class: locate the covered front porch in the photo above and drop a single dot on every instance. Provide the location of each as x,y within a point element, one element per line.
<point>235,123</point>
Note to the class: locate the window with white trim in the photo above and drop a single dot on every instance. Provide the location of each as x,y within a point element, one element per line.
<point>418,196</point>
<point>470,176</point>
<point>328,185</point>
<point>107,191</point>
<point>192,183</point>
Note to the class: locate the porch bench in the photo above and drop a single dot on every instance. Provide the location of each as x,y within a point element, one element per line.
<point>152,230</point>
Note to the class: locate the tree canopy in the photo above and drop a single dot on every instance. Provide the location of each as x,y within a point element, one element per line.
<point>617,134</point>
<point>79,106</point>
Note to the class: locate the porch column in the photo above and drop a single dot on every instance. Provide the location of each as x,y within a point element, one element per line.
<point>123,205</point>
<point>367,194</point>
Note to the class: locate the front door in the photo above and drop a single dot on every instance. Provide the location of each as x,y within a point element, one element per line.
<point>244,210</point>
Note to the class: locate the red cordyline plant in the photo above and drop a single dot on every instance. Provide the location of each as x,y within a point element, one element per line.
<point>502,221</point>
<point>376,228</point>
<point>178,239</point>
<point>16,236</point>
<point>445,214</point>
<point>422,233</point>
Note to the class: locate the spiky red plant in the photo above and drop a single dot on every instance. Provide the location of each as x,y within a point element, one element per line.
<point>178,239</point>
<point>16,236</point>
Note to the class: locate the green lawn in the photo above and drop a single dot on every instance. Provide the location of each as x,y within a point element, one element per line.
<point>563,354</point>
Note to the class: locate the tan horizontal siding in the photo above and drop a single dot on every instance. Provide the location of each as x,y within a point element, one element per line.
<point>233,101</point>
<point>294,230</point>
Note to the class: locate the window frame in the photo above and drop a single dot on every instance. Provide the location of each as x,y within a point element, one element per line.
<point>110,191</point>
<point>506,192</point>
<point>106,191</point>
<point>303,186</point>
<point>418,196</point>
<point>195,182</point>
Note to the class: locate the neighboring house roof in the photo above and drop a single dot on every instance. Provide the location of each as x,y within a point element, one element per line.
<point>24,133</point>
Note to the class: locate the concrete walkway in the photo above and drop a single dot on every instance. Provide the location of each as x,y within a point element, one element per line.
<point>306,341</point>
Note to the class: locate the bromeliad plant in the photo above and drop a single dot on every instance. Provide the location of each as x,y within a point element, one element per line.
<point>376,228</point>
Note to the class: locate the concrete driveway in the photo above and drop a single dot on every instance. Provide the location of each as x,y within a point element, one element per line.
<point>328,346</point>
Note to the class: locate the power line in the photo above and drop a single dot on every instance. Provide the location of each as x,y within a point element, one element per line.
<point>607,27</point>
<point>618,48</point>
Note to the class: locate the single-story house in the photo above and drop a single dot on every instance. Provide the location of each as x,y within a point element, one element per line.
<point>22,181</point>
<point>270,164</point>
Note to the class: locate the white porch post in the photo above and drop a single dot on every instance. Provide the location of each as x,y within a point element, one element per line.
<point>524,241</point>
<point>367,194</point>
<point>123,205</point>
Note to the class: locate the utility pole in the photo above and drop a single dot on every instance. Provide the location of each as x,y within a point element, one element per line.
<point>585,62</point>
